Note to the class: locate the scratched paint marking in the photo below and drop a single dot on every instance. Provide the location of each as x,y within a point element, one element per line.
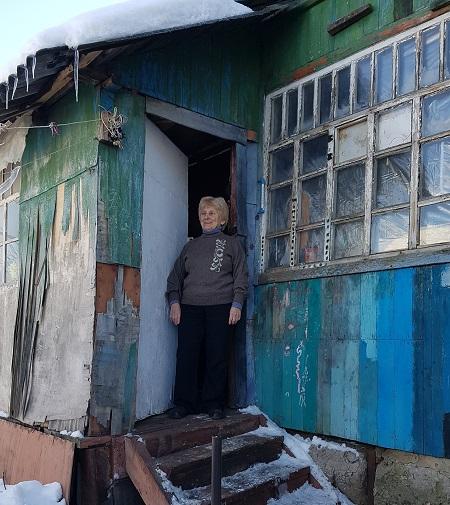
<point>302,375</point>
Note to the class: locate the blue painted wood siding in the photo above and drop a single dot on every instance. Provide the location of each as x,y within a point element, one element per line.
<point>364,357</point>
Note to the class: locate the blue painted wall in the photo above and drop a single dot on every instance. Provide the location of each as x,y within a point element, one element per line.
<point>364,357</point>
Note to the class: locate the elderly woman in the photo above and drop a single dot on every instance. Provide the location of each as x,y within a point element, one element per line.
<point>206,290</point>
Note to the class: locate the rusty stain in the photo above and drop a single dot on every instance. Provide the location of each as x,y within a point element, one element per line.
<point>252,136</point>
<point>106,282</point>
<point>310,68</point>
<point>132,285</point>
<point>96,428</point>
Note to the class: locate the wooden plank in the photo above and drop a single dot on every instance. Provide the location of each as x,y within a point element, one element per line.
<point>27,454</point>
<point>140,468</point>
<point>349,19</point>
<point>196,121</point>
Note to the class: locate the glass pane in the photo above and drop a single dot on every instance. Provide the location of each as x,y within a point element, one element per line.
<point>292,104</point>
<point>350,191</point>
<point>383,75</point>
<point>280,208</point>
<point>315,154</point>
<point>310,246</point>
<point>392,180</point>
<point>12,221</point>
<point>435,223</point>
<point>390,231</point>
<point>313,200</point>
<point>348,239</point>
<point>2,223</point>
<point>343,92</point>
<point>16,186</point>
<point>406,53</point>
<point>278,252</point>
<point>447,51</point>
<point>363,75</point>
<point>282,164</point>
<point>352,142</point>
<point>436,113</point>
<point>2,264</point>
<point>429,68</point>
<point>435,168</point>
<point>394,127</point>
<point>277,110</point>
<point>5,174</point>
<point>325,98</point>
<point>12,262</point>
<point>308,106</point>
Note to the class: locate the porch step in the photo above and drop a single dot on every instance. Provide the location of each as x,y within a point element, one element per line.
<point>191,468</point>
<point>163,435</point>
<point>256,485</point>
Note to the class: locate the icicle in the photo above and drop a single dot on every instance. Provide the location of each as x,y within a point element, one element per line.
<point>27,77</point>
<point>76,66</point>
<point>16,80</point>
<point>33,66</point>
<point>7,95</point>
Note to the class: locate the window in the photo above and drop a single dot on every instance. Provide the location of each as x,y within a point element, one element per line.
<point>9,226</point>
<point>358,155</point>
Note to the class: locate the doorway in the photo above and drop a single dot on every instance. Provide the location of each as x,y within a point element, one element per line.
<point>181,165</point>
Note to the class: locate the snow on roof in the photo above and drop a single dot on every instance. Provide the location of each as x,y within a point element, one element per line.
<point>127,19</point>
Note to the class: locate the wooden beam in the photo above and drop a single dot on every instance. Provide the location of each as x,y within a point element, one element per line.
<point>349,19</point>
<point>196,121</point>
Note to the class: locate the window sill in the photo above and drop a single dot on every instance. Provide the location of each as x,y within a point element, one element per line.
<point>379,262</point>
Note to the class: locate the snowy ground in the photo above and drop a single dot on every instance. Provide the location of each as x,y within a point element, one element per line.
<point>136,17</point>
<point>31,493</point>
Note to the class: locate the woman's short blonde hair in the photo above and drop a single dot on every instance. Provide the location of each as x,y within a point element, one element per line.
<point>217,203</point>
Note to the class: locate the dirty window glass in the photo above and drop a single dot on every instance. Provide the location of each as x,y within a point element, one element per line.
<point>292,105</point>
<point>392,180</point>
<point>406,65</point>
<point>435,223</point>
<point>313,200</point>
<point>278,252</point>
<point>280,207</point>
<point>390,231</point>
<point>394,127</point>
<point>348,239</point>
<point>12,262</point>
<point>12,220</point>
<point>343,92</point>
<point>383,75</point>
<point>310,245</point>
<point>2,263</point>
<point>435,168</point>
<point>350,190</point>
<point>363,74</point>
<point>429,68</point>
<point>436,113</point>
<point>2,223</point>
<point>351,142</point>
<point>282,165</point>
<point>276,119</point>
<point>325,98</point>
<point>315,154</point>
<point>447,51</point>
<point>308,106</point>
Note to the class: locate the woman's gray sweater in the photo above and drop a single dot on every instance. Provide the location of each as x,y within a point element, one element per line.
<point>211,270</point>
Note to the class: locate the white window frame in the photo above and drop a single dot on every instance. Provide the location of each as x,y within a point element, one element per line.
<point>416,254</point>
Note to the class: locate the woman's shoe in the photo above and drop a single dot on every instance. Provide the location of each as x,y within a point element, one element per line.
<point>216,414</point>
<point>178,413</point>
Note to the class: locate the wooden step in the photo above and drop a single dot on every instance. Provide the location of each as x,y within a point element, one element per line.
<point>164,436</point>
<point>191,468</point>
<point>256,485</point>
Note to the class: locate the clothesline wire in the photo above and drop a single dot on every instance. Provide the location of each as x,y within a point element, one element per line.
<point>2,127</point>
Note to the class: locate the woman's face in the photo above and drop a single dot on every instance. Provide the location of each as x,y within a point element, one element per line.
<point>209,218</point>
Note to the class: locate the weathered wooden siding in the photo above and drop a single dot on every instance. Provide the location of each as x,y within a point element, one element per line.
<point>211,71</point>
<point>364,357</point>
<point>8,306</point>
<point>300,38</point>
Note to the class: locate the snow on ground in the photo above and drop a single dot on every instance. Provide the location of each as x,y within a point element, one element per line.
<point>125,19</point>
<point>31,492</point>
<point>3,414</point>
<point>73,434</point>
<point>299,447</point>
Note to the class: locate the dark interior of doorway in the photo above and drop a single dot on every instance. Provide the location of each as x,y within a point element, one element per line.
<point>209,166</point>
<point>210,174</point>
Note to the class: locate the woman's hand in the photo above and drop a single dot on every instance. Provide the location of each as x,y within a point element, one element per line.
<point>235,315</point>
<point>175,313</point>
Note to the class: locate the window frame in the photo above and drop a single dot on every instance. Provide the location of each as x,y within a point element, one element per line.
<point>416,253</point>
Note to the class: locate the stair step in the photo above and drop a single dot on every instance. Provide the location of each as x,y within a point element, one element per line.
<point>164,436</point>
<point>256,485</point>
<point>191,468</point>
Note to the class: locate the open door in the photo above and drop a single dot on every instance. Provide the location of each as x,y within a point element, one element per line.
<point>164,232</point>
